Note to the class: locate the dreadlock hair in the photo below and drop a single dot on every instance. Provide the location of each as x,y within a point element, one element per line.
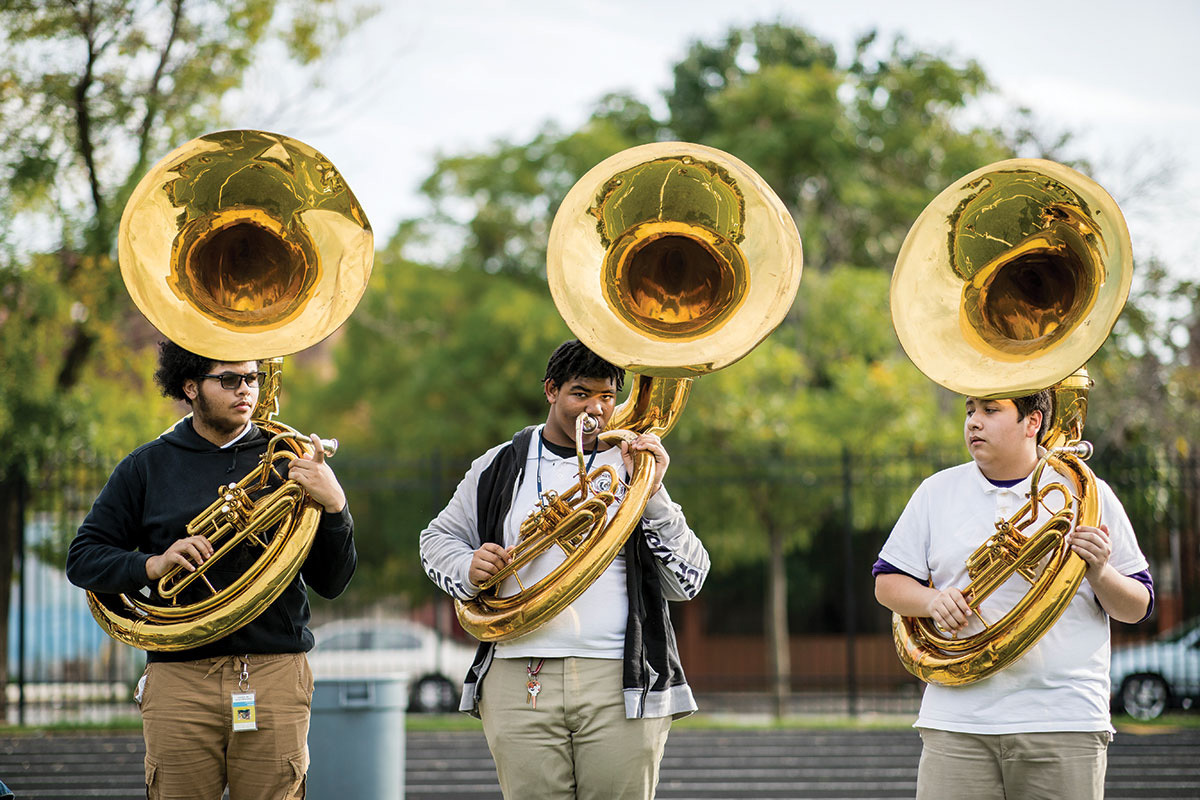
<point>1042,401</point>
<point>176,365</point>
<point>572,359</point>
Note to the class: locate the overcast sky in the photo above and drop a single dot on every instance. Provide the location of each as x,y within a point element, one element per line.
<point>427,78</point>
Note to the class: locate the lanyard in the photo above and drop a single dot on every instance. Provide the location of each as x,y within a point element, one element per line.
<point>591,458</point>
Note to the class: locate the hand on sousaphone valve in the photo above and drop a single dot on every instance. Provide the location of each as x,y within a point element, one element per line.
<point>187,554</point>
<point>315,476</point>
<point>652,444</point>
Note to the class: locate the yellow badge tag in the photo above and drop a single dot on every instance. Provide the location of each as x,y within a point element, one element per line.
<point>243,712</point>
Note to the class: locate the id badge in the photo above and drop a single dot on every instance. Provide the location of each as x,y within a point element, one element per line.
<point>243,712</point>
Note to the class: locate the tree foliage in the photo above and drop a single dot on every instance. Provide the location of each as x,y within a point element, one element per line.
<point>856,150</point>
<point>492,211</point>
<point>1148,374</point>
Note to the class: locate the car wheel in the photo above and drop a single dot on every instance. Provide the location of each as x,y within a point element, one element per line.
<point>431,694</point>
<point>1144,696</point>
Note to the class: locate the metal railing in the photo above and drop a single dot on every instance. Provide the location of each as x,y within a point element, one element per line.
<point>61,666</point>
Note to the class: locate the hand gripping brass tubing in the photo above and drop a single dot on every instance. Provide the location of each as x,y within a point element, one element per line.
<point>671,260</point>
<point>235,517</point>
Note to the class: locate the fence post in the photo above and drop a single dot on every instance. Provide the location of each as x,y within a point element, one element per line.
<point>851,610</point>
<point>22,490</point>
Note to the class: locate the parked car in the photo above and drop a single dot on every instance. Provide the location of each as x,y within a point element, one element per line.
<point>361,648</point>
<point>1149,678</point>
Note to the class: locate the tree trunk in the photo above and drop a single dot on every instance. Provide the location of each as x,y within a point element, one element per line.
<point>12,509</point>
<point>777,624</point>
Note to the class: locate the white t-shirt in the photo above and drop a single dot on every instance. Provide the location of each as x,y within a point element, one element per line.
<point>1061,683</point>
<point>594,625</point>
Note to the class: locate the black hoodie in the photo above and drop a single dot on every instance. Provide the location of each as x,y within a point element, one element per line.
<point>146,505</point>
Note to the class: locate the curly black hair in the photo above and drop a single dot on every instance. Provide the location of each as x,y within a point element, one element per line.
<point>176,365</point>
<point>572,359</point>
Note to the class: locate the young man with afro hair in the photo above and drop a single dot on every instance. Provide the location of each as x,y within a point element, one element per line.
<point>136,531</point>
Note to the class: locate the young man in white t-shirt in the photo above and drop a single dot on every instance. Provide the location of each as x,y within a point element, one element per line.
<point>1039,728</point>
<point>581,706</point>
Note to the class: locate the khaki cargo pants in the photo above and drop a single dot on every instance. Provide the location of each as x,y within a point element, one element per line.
<point>577,743</point>
<point>192,751</point>
<point>1028,766</point>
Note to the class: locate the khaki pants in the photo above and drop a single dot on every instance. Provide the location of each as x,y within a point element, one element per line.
<point>577,743</point>
<point>192,751</point>
<point>1018,766</point>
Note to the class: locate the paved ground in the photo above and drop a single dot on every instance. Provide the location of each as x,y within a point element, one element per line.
<point>699,765</point>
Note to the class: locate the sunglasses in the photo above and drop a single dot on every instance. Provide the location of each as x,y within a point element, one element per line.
<point>232,380</point>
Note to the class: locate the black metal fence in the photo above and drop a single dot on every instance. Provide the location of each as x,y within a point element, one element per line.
<point>834,511</point>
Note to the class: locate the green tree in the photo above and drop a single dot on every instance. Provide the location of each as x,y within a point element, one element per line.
<point>1148,373</point>
<point>855,150</point>
<point>492,211</point>
<point>91,93</point>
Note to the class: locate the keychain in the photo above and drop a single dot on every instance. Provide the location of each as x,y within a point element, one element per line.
<point>534,686</point>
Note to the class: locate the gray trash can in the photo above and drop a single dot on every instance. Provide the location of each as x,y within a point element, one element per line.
<point>356,739</point>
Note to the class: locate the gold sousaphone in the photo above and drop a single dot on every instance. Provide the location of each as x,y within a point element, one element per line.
<point>239,245</point>
<point>1008,282</point>
<point>671,260</point>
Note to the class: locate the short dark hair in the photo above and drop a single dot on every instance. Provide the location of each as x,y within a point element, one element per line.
<point>572,359</point>
<point>1042,401</point>
<point>176,365</point>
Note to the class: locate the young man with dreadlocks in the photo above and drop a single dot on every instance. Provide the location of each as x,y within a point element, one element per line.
<point>581,706</point>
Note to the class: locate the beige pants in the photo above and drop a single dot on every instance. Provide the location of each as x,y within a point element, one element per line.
<point>577,743</point>
<point>1018,766</point>
<point>192,751</point>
